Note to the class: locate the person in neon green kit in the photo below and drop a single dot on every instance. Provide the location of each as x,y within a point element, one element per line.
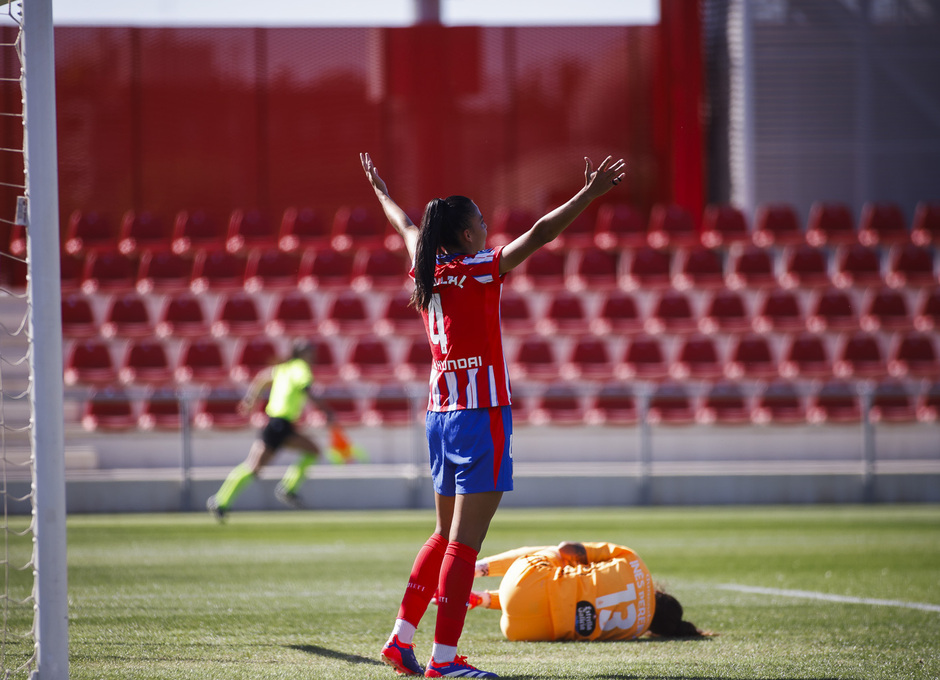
<point>290,383</point>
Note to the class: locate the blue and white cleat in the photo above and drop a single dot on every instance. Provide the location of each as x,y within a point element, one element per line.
<point>458,668</point>
<point>401,657</point>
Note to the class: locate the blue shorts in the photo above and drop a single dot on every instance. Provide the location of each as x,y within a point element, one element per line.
<point>471,450</point>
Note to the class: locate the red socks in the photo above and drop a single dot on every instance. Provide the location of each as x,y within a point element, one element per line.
<point>456,581</point>
<point>423,580</point>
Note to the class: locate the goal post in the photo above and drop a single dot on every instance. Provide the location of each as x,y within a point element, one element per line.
<point>45,336</point>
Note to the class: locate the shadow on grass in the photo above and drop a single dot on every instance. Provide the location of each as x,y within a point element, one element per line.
<point>333,654</point>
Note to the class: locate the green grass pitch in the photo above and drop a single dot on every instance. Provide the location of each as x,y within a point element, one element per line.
<point>313,594</point>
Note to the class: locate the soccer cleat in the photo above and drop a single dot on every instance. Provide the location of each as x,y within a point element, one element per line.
<point>212,505</point>
<point>401,657</point>
<point>288,498</point>
<point>458,668</point>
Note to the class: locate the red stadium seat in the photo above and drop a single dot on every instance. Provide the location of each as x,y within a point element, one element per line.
<point>887,310</point>
<point>544,270</point>
<point>565,315</point>
<point>417,362</point>
<point>391,406</point>
<point>595,270</point>
<point>380,269</point>
<point>360,227</point>
<point>78,317</point>
<point>911,266</point>
<point>671,404</point>
<point>577,235</point>
<point>558,405</point>
<point>589,359</point>
<point>699,268</point>
<point>927,316</point>
<point>619,226</point>
<point>779,403</point>
<point>725,312</point>
<point>164,272</point>
<point>108,271</point>
<point>515,313</point>
<point>303,228</point>
<point>671,226</point>
<point>87,232</point>
<point>146,362</point>
<point>751,358</point>
<point>915,355</point>
<point>806,267</point>
<point>72,271</point>
<point>370,359</point>
<point>834,402</point>
<point>925,227</point>
<point>725,404</point>
<point>127,317</point>
<point>202,361</point>
<point>672,313</point>
<point>723,225</point>
<point>806,357</point>
<point>857,266</point>
<point>830,224</point>
<point>752,268</point>
<point>777,225</point>
<point>182,317</point>
<point>252,356</point>
<point>109,409</point>
<point>535,359</point>
<point>644,359</point>
<point>882,224</point>
<point>612,405</point>
<point>272,270</point>
<point>218,271</point>
<point>160,411</point>
<point>400,319</point>
<point>893,402</point>
<point>697,359</point>
<point>195,230</point>
<point>347,314</point>
<point>89,363</point>
<point>860,356</point>
<point>143,230</point>
<point>325,366</point>
<point>249,229</point>
<point>347,407</point>
<point>326,270</point>
<point>237,315</point>
<point>833,310</point>
<point>618,315</point>
<point>293,316</point>
<point>507,224</point>
<point>219,410</point>
<point>648,269</point>
<point>779,311</point>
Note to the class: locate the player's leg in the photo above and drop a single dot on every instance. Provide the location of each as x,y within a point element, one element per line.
<point>296,474</point>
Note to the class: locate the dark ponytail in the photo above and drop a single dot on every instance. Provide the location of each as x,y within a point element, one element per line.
<point>442,221</point>
<point>667,619</point>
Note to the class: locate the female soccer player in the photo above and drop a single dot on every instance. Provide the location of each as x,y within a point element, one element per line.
<point>290,383</point>
<point>579,591</point>
<point>469,425</point>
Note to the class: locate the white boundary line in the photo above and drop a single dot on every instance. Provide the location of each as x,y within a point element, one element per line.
<point>810,595</point>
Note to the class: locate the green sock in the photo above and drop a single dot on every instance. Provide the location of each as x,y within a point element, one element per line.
<point>233,485</point>
<point>297,473</point>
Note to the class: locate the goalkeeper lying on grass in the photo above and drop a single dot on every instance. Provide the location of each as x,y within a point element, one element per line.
<point>579,591</point>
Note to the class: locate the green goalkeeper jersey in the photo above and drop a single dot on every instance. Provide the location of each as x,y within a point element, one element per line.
<point>289,389</point>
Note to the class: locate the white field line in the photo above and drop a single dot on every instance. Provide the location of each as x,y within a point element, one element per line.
<point>811,595</point>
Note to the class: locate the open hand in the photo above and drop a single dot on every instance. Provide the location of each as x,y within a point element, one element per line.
<point>372,174</point>
<point>608,175</point>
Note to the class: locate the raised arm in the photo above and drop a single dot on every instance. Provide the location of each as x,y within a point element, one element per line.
<point>596,183</point>
<point>398,218</point>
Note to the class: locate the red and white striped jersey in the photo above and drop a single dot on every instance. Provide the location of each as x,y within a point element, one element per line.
<point>463,327</point>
